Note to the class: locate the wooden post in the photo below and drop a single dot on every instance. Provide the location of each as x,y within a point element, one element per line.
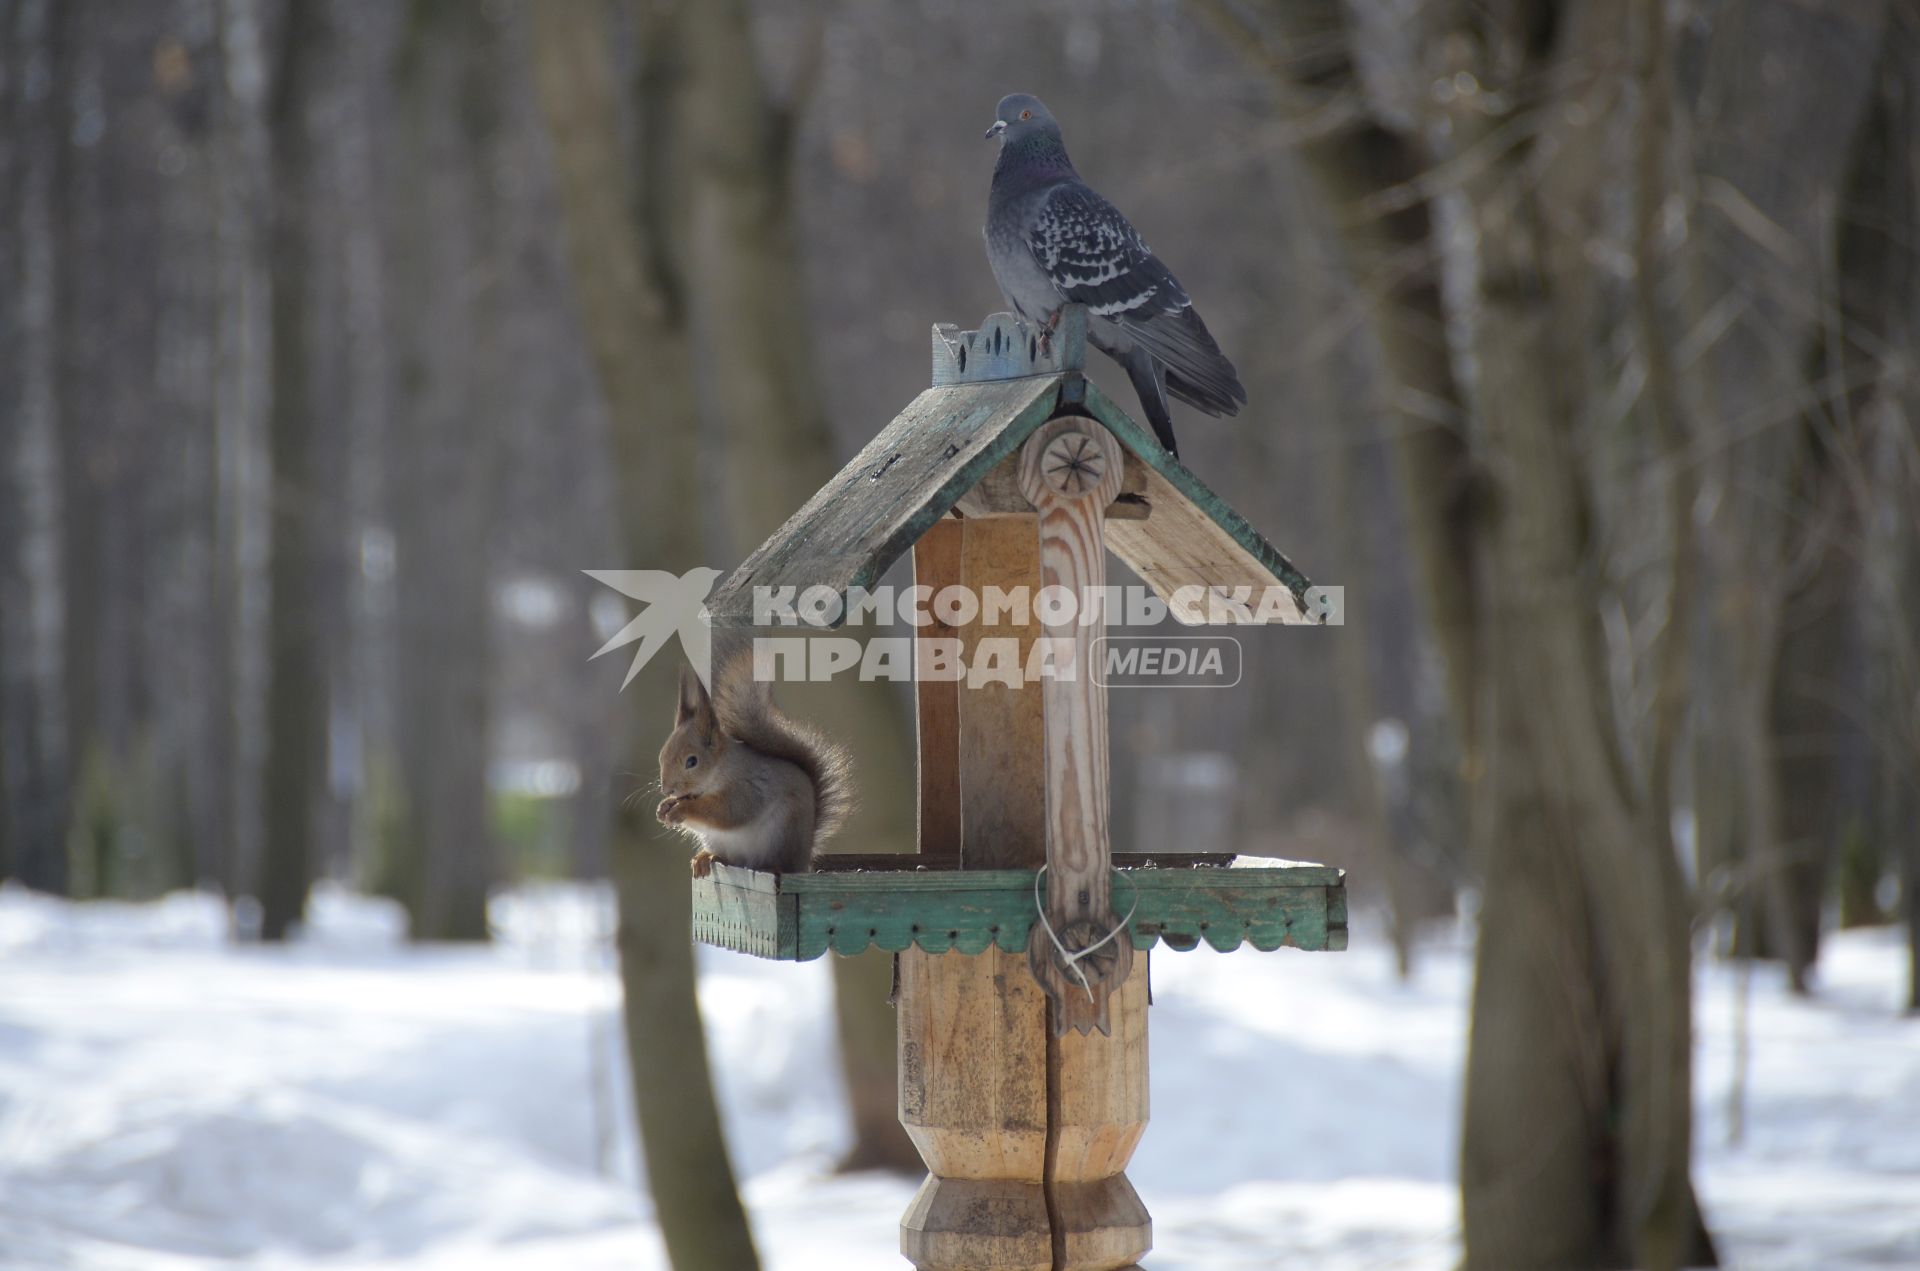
<point>1097,1111</point>
<point>972,1031</point>
<point>1003,797</point>
<point>974,1084</point>
<point>1097,1081</point>
<point>1070,470</point>
<point>1026,1135</point>
<point>1026,1127</point>
<point>936,564</point>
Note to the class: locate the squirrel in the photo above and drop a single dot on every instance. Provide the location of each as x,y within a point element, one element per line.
<point>757,788</point>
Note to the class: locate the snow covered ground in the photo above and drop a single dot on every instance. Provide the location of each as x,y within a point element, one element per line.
<point>168,1101</point>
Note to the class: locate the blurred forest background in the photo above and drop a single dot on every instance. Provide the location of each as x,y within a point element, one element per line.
<point>337,337</point>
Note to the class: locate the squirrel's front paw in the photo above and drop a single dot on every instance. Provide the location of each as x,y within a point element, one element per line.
<point>702,863</point>
<point>671,810</point>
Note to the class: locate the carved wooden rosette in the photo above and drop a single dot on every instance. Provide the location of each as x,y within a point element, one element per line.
<point>1070,470</point>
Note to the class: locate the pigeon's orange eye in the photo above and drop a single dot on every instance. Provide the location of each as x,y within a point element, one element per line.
<point>1026,114</point>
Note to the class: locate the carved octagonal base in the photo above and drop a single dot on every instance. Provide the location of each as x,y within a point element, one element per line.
<point>1026,1136</point>
<point>963,1224</point>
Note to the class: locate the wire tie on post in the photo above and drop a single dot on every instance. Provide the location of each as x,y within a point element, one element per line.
<point>1072,960</point>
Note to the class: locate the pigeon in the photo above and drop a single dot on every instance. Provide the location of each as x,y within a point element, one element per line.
<point>1051,240</point>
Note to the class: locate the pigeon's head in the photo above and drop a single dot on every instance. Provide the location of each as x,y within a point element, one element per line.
<point>1020,116</point>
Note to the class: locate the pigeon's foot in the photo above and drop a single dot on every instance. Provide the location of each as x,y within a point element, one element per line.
<point>1047,329</point>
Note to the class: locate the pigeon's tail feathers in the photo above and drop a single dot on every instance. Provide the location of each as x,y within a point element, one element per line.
<point>1197,372</point>
<point>1201,400</point>
<point>1149,382</point>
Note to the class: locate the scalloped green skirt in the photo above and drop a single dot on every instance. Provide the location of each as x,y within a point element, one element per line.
<point>853,902</point>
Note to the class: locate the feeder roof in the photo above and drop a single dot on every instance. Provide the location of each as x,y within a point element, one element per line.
<point>992,388</point>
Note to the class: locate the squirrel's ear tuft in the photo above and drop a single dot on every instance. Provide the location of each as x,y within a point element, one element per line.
<point>693,697</point>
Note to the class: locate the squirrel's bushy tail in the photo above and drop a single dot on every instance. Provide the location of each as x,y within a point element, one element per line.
<point>746,711</point>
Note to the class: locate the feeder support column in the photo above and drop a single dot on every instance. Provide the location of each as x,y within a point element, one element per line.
<point>1070,470</point>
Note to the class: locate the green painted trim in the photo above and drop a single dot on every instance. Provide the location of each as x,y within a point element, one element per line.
<point>1150,452</point>
<point>798,917</point>
<point>744,913</point>
<point>1337,919</point>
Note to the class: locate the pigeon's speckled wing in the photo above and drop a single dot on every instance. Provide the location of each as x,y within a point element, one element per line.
<point>1095,258</point>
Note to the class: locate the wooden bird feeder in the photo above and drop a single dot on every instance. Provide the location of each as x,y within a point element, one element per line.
<point>1021,937</point>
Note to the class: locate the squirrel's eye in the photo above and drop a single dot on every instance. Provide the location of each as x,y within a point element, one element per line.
<point>693,761</point>
<point>1026,114</point>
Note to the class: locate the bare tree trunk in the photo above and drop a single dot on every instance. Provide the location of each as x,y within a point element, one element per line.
<point>33,773</point>
<point>14,143</point>
<point>1578,1106</point>
<point>1903,478</point>
<point>102,241</point>
<point>1770,927</point>
<point>1577,1141</point>
<point>1909,847</point>
<point>1766,245</point>
<point>80,418</point>
<point>760,392</point>
<point>240,511</point>
<point>447,293</point>
<point>1358,703</point>
<point>622,243</point>
<point>1878,264</point>
<point>296,675</point>
<point>1578,1136</point>
<point>1347,448</point>
<point>1811,694</point>
<point>1658,159</point>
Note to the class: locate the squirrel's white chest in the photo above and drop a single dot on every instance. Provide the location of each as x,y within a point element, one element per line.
<point>754,845</point>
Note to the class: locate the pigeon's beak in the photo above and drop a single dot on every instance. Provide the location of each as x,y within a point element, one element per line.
<point>999,126</point>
